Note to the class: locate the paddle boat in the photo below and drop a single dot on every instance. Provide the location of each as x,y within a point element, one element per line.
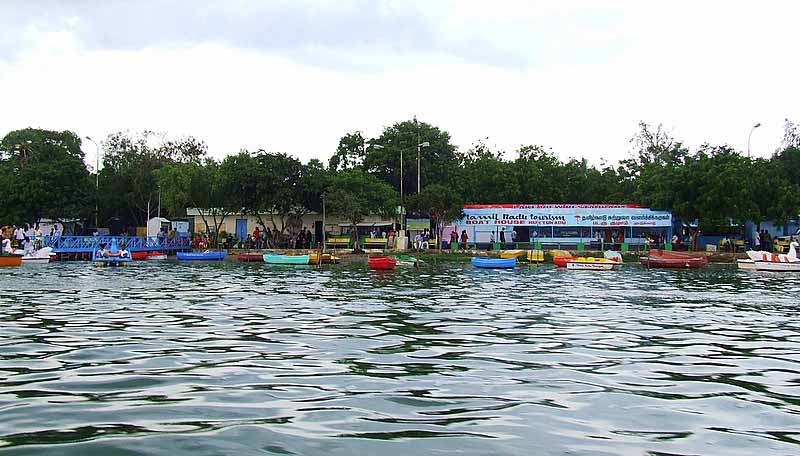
<point>41,256</point>
<point>512,253</point>
<point>381,262</point>
<point>406,260</point>
<point>156,255</point>
<point>592,264</point>
<point>766,261</point>
<point>274,258</point>
<point>145,255</point>
<point>560,257</point>
<point>327,258</point>
<point>113,256</point>
<point>250,257</point>
<point>494,263</point>
<point>747,265</point>
<point>680,260</point>
<point>201,256</point>
<point>535,256</point>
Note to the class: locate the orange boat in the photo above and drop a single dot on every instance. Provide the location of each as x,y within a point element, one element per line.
<point>676,260</point>
<point>250,257</point>
<point>10,260</point>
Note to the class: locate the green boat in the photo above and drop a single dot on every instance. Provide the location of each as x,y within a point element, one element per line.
<point>274,258</point>
<point>406,260</point>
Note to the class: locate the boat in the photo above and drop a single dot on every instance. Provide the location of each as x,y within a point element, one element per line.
<point>274,258</point>
<point>114,256</point>
<point>535,256</point>
<point>201,256</point>
<point>512,253</point>
<point>250,257</point>
<point>10,260</point>
<point>406,260</point>
<point>766,261</point>
<point>156,255</point>
<point>326,258</point>
<point>560,257</point>
<point>747,265</point>
<point>139,256</point>
<point>592,264</point>
<point>494,263</point>
<point>381,262</point>
<point>41,256</point>
<point>676,260</point>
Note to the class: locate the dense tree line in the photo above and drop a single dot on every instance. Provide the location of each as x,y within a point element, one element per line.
<point>44,176</point>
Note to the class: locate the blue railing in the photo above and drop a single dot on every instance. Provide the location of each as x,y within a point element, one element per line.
<point>78,244</point>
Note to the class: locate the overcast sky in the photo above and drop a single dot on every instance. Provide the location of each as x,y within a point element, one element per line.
<point>295,75</point>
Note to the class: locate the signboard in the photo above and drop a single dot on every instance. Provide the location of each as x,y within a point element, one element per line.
<point>418,224</point>
<point>182,228</point>
<point>582,215</point>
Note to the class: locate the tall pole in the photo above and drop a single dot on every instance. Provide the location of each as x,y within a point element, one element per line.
<point>323,223</point>
<point>418,167</point>
<point>96,184</point>
<point>750,136</point>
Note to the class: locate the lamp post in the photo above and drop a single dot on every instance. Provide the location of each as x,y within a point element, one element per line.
<point>750,136</point>
<point>420,146</point>
<point>96,184</point>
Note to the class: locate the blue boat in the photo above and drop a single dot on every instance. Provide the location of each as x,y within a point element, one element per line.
<point>494,263</point>
<point>201,256</point>
<point>114,256</point>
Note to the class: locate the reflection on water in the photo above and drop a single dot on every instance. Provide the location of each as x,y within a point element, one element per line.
<point>208,359</point>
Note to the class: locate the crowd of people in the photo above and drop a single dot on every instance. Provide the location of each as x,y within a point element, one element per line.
<point>28,237</point>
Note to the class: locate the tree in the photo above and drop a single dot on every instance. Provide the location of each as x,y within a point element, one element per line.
<point>439,161</point>
<point>204,186</point>
<point>485,177</point>
<point>354,194</point>
<point>128,182</point>
<point>350,153</point>
<point>439,202</point>
<point>43,176</point>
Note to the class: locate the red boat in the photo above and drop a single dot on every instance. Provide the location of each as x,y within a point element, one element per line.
<point>679,260</point>
<point>139,256</point>
<point>250,257</point>
<point>561,262</point>
<point>381,262</point>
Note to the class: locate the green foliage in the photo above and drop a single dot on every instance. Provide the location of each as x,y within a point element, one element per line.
<point>354,194</point>
<point>440,203</point>
<point>43,176</point>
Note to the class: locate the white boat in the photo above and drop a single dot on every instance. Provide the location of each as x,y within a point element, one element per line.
<point>747,265</point>
<point>783,267</point>
<point>41,256</point>
<point>592,264</point>
<point>767,261</point>
<point>159,256</point>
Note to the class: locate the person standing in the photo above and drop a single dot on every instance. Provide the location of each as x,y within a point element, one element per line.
<point>464,239</point>
<point>453,238</point>
<point>20,237</point>
<point>503,237</point>
<point>491,241</point>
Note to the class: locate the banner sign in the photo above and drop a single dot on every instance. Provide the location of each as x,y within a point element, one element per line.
<point>583,215</point>
<point>418,224</point>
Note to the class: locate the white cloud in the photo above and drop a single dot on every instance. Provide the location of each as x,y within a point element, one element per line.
<point>577,78</point>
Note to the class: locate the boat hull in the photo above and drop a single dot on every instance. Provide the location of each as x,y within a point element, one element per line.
<point>561,262</point>
<point>591,266</point>
<point>494,263</point>
<point>326,258</point>
<point>381,263</point>
<point>673,263</point>
<point>747,265</point>
<point>10,260</point>
<point>512,253</point>
<point>36,260</point>
<point>777,267</point>
<point>250,257</point>
<point>271,258</point>
<point>204,256</point>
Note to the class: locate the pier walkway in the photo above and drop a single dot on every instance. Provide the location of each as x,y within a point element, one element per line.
<point>88,244</point>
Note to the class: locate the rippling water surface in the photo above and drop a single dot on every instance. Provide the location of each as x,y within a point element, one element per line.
<point>209,359</point>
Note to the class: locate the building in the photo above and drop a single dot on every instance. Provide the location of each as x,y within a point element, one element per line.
<point>243,224</point>
<point>564,224</point>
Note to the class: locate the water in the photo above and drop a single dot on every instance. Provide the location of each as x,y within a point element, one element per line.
<point>209,359</point>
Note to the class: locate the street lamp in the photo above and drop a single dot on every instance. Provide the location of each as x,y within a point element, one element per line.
<point>751,135</point>
<point>419,146</point>
<point>96,184</point>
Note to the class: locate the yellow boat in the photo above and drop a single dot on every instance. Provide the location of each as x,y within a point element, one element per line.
<point>592,264</point>
<point>535,256</point>
<point>326,258</point>
<point>512,253</point>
